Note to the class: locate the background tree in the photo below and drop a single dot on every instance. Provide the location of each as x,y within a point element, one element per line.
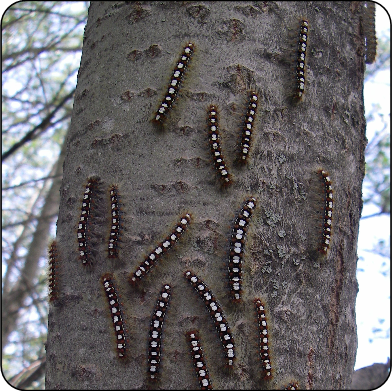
<point>26,343</point>
<point>40,57</point>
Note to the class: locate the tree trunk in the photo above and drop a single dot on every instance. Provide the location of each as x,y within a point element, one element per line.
<point>129,53</point>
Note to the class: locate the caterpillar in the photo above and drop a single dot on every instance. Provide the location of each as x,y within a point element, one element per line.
<point>302,45</point>
<point>264,339</point>
<point>161,249</point>
<point>292,386</point>
<point>369,24</point>
<point>115,311</point>
<point>155,333</point>
<point>216,151</point>
<point>115,225</point>
<point>199,363</point>
<point>237,242</point>
<point>174,85</point>
<point>248,128</point>
<point>328,209</point>
<point>92,190</point>
<point>216,313</point>
<point>53,276</point>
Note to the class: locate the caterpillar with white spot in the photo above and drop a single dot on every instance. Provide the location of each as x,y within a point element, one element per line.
<point>174,85</point>
<point>116,313</point>
<point>115,222</point>
<point>369,28</point>
<point>328,209</point>
<point>263,339</point>
<point>248,128</point>
<point>292,386</point>
<point>89,198</point>
<point>199,363</point>
<point>215,144</point>
<point>302,45</point>
<point>237,243</point>
<point>53,275</point>
<point>216,313</point>
<point>155,333</point>
<point>161,249</point>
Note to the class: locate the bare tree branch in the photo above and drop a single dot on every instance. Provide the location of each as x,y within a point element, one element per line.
<point>30,374</point>
<point>46,122</point>
<point>30,182</point>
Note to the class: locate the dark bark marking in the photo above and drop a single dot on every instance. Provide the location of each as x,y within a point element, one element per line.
<point>199,12</point>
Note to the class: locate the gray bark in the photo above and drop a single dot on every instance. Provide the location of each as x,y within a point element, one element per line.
<point>129,52</point>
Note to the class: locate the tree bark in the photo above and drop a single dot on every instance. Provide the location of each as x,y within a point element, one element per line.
<point>129,52</point>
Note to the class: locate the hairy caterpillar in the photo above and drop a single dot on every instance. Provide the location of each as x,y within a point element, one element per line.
<point>292,386</point>
<point>53,276</point>
<point>328,208</point>
<point>264,339</point>
<point>248,128</point>
<point>214,308</point>
<point>302,45</point>
<point>237,248</point>
<point>198,360</point>
<point>369,24</point>
<point>174,85</point>
<point>214,139</point>
<point>90,195</point>
<point>115,225</point>
<point>161,249</point>
<point>116,313</point>
<point>155,333</point>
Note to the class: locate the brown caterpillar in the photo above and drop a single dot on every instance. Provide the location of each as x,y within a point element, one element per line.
<point>53,276</point>
<point>369,27</point>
